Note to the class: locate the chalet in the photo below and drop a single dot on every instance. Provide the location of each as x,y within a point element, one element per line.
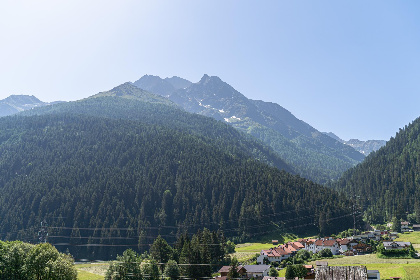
<point>276,254</point>
<point>362,248</point>
<point>396,245</point>
<point>257,271</point>
<point>405,226</point>
<point>275,242</point>
<point>225,270</point>
<point>309,244</point>
<point>344,245</point>
<point>416,227</point>
<point>331,244</point>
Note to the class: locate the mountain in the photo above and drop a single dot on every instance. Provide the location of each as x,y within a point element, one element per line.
<point>161,86</point>
<point>131,103</point>
<point>333,136</point>
<point>111,172</point>
<point>311,153</point>
<point>387,182</point>
<point>364,147</point>
<point>17,103</point>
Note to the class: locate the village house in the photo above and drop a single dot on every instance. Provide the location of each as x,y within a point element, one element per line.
<point>330,243</point>
<point>257,271</point>
<point>344,245</point>
<point>225,270</point>
<point>309,244</point>
<point>416,227</point>
<point>282,252</point>
<point>272,255</point>
<point>405,226</point>
<point>362,248</point>
<point>396,245</point>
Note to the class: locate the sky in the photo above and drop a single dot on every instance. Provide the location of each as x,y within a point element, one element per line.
<point>347,67</point>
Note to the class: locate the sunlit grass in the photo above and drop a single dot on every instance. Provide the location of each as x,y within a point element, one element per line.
<point>413,237</point>
<point>84,275</point>
<point>91,271</point>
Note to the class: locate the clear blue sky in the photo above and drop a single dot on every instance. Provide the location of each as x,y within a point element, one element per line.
<point>350,67</point>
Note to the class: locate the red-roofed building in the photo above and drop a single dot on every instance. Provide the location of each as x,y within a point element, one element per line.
<point>282,252</point>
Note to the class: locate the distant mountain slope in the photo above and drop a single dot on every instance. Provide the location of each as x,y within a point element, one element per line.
<point>17,103</point>
<point>129,91</point>
<point>364,147</point>
<point>129,102</point>
<point>164,87</point>
<point>311,153</point>
<point>387,183</point>
<point>110,172</point>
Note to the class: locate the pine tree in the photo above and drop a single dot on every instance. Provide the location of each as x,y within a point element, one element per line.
<point>233,270</point>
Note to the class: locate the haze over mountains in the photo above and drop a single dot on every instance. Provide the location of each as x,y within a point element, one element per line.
<point>364,147</point>
<point>189,156</point>
<point>311,153</point>
<point>18,103</point>
<point>387,182</point>
<point>123,166</point>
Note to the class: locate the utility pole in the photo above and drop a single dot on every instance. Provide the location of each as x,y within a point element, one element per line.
<point>43,232</point>
<point>354,207</point>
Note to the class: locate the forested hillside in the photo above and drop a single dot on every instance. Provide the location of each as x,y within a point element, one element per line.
<point>312,154</point>
<point>387,183</point>
<point>103,182</point>
<point>131,103</point>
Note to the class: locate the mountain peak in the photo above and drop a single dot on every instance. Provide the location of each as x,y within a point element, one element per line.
<point>204,79</point>
<point>17,103</point>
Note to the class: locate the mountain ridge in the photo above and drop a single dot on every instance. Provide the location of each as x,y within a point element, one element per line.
<point>114,162</point>
<point>364,147</point>
<point>272,124</point>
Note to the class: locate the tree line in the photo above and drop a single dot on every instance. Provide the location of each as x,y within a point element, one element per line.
<point>386,185</point>
<point>24,261</point>
<point>196,257</point>
<point>107,184</point>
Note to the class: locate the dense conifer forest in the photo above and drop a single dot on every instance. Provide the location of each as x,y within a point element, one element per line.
<point>104,183</point>
<point>387,184</point>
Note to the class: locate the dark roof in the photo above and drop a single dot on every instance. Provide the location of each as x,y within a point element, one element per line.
<point>256,268</point>
<point>227,267</point>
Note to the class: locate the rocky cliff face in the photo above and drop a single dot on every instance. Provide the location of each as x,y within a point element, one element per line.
<point>364,147</point>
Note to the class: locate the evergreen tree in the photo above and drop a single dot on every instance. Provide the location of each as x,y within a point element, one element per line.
<point>160,250</point>
<point>273,272</point>
<point>290,272</point>
<point>127,266</point>
<point>233,270</point>
<point>396,225</point>
<point>172,270</point>
<point>151,270</point>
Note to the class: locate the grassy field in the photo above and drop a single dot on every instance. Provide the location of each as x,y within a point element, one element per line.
<point>246,251</point>
<point>91,271</point>
<point>413,237</point>
<point>387,267</point>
